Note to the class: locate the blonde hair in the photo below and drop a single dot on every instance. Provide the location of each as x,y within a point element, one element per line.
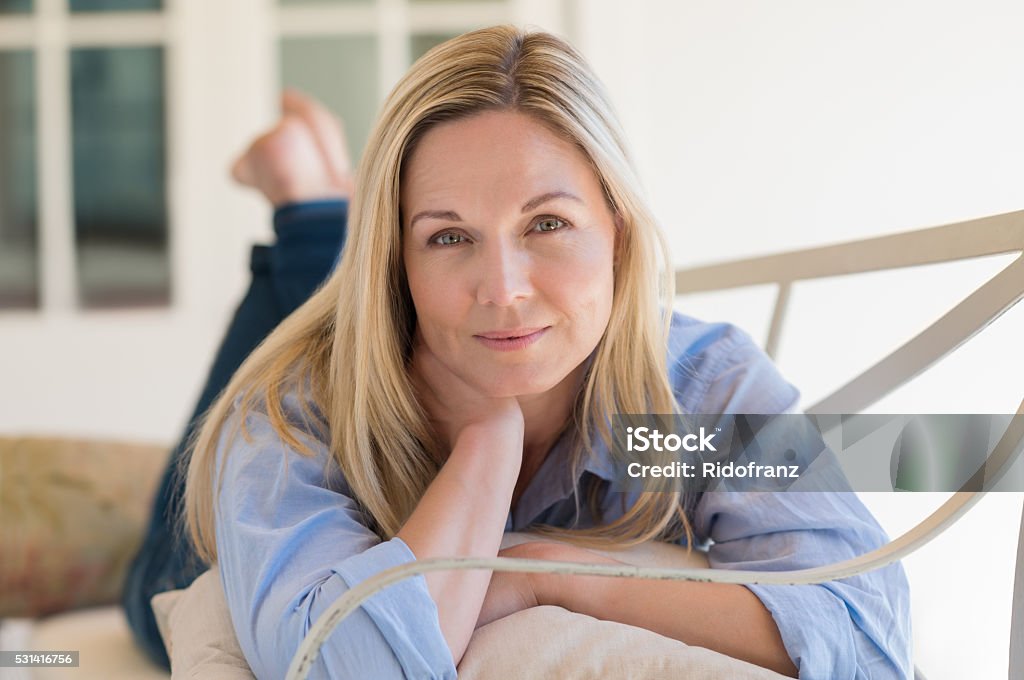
<point>344,352</point>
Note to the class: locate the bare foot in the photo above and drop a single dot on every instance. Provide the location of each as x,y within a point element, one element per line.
<point>302,158</point>
<point>328,129</point>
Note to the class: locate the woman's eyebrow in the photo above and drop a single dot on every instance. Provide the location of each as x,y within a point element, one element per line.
<point>550,196</point>
<point>533,203</point>
<point>435,214</point>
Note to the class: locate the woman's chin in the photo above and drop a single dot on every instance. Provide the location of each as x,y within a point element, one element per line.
<point>514,391</point>
<point>517,387</point>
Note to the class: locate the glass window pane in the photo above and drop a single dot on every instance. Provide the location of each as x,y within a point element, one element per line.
<point>19,248</point>
<point>342,73</point>
<point>421,43</point>
<point>114,5</point>
<point>117,105</point>
<point>9,6</point>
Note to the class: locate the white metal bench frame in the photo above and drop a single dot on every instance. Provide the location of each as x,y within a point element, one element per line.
<point>994,235</point>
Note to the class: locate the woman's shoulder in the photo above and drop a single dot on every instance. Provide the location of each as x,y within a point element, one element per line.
<point>261,443</point>
<point>716,367</point>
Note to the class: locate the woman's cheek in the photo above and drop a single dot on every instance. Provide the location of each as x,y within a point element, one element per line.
<point>583,293</point>
<point>439,298</point>
<point>586,273</point>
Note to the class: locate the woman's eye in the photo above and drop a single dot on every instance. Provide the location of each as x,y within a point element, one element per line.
<point>447,239</point>
<point>550,224</point>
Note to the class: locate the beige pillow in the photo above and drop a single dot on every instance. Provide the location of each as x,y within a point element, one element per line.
<point>540,643</point>
<point>551,642</point>
<point>196,628</point>
<point>74,513</point>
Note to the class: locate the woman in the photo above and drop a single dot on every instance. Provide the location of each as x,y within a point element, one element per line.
<point>498,299</point>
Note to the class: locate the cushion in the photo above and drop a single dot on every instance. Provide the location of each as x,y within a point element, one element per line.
<point>551,642</point>
<point>73,513</point>
<point>196,627</point>
<point>541,642</point>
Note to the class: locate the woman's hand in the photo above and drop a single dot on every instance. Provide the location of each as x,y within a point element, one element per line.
<point>651,604</point>
<point>513,591</point>
<point>508,593</point>
<point>453,405</point>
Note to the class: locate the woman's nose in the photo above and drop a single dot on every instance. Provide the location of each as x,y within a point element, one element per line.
<point>503,275</point>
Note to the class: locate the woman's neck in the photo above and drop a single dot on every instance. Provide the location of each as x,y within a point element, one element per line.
<point>545,417</point>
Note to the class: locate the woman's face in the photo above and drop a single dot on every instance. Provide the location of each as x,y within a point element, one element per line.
<point>509,247</point>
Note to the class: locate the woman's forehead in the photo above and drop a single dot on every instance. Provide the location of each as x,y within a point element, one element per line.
<point>495,155</point>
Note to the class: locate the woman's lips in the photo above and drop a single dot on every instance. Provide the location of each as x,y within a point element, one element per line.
<point>510,341</point>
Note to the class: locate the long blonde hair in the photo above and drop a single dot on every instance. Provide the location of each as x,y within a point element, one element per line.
<point>344,353</point>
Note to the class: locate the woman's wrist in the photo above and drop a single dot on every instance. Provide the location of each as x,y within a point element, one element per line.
<point>503,430</point>
<point>487,459</point>
<point>567,590</point>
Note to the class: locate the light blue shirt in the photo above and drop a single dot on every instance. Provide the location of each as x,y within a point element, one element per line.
<point>291,540</point>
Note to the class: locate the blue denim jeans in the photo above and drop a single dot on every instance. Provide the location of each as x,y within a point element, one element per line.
<point>309,239</point>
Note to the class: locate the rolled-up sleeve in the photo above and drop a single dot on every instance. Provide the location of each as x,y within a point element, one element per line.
<point>853,628</point>
<point>290,541</point>
<point>857,627</point>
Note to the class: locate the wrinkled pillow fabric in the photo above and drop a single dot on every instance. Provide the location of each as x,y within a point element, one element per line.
<point>551,642</point>
<point>534,644</point>
<point>196,628</point>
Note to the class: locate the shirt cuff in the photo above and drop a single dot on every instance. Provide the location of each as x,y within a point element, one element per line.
<point>404,612</point>
<point>816,630</point>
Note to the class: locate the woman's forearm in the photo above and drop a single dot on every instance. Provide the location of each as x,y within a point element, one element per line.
<point>724,617</point>
<point>463,513</point>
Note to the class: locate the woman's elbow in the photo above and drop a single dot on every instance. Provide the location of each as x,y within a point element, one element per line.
<point>357,647</point>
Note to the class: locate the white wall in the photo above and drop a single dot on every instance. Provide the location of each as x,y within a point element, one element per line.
<point>765,126</point>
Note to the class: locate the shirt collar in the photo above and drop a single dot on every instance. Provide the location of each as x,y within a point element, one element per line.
<point>553,481</point>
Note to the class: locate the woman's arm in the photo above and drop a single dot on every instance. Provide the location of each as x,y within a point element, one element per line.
<point>725,617</point>
<point>853,628</point>
<point>291,540</point>
<point>464,510</point>
<point>463,513</point>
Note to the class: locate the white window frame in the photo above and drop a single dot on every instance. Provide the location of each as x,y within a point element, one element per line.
<point>51,31</point>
